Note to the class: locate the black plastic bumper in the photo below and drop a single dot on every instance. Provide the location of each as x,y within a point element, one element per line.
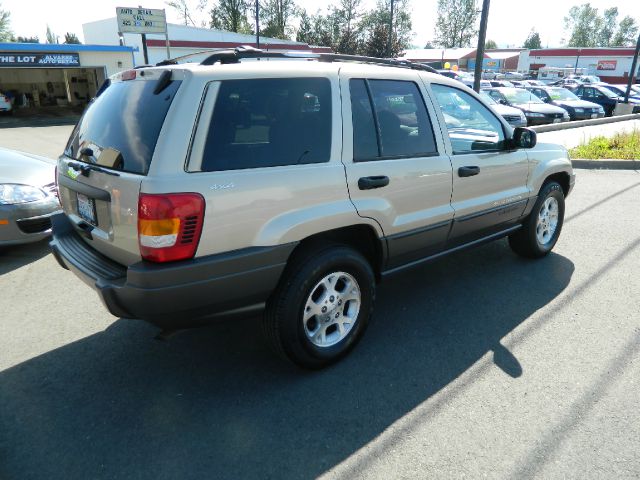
<point>179,294</point>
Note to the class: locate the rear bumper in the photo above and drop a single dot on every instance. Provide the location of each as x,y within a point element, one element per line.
<point>174,295</point>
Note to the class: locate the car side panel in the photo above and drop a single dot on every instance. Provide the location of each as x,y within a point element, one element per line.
<point>414,210</point>
<point>269,205</point>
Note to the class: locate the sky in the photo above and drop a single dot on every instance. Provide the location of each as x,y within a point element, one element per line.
<point>510,21</point>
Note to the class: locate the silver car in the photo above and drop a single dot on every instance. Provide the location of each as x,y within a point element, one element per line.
<point>28,197</point>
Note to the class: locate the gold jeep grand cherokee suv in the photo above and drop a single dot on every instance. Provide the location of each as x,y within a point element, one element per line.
<point>197,191</point>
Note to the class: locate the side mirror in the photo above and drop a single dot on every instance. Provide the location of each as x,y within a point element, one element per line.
<point>502,101</point>
<point>524,138</point>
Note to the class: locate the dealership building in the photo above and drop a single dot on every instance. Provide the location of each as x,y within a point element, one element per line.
<point>42,75</point>
<point>183,40</point>
<point>465,58</point>
<point>610,64</point>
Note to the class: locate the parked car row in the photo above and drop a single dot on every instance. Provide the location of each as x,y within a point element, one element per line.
<point>532,102</point>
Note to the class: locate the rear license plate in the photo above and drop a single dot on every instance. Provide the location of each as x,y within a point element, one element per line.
<point>594,115</point>
<point>87,209</point>
<point>557,120</point>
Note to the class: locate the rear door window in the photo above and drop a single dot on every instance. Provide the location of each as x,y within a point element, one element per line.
<point>398,125</point>
<point>120,127</point>
<point>269,122</point>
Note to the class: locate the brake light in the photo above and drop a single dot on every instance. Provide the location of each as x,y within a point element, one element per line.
<point>169,226</point>
<point>128,75</point>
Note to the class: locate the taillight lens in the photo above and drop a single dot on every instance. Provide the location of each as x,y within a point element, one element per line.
<point>128,75</point>
<point>169,226</point>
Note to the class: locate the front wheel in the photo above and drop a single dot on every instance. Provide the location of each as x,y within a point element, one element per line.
<point>541,229</point>
<point>321,307</point>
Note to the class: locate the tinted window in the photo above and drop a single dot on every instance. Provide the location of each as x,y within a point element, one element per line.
<point>365,140</point>
<point>471,125</point>
<point>399,120</point>
<point>121,126</point>
<point>269,122</point>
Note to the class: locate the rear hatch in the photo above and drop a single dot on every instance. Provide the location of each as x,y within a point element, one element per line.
<point>109,154</point>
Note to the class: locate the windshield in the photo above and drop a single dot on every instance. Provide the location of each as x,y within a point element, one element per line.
<point>561,94</point>
<point>518,95</point>
<point>609,93</point>
<point>616,90</point>
<point>488,99</point>
<point>120,127</point>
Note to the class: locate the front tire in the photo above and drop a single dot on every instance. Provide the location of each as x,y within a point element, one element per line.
<point>322,306</point>
<point>541,229</point>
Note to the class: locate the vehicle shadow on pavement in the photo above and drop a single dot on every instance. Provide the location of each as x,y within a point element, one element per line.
<point>215,403</point>
<point>16,256</point>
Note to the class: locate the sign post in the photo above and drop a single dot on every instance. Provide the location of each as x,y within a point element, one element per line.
<point>143,20</point>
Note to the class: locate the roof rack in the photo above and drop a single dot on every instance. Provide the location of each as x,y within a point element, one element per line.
<point>227,56</point>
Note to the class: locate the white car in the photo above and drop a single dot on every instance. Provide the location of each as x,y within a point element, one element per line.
<point>5,103</point>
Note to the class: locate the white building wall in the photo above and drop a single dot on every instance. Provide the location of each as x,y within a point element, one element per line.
<point>113,62</point>
<point>590,63</point>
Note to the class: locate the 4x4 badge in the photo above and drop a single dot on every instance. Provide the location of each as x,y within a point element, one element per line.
<point>223,186</point>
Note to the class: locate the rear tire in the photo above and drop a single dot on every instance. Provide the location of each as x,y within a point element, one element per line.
<point>321,307</point>
<point>541,229</point>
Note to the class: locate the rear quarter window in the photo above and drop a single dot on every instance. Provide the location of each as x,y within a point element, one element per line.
<point>268,123</point>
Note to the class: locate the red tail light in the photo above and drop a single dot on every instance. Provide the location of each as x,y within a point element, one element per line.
<point>128,75</point>
<point>169,226</point>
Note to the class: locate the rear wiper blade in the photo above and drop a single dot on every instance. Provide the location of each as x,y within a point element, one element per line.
<point>86,168</point>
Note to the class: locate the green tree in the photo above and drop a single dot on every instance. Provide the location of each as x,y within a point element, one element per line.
<point>230,15</point>
<point>71,38</point>
<point>626,34</point>
<point>186,11</point>
<point>51,37</point>
<point>490,45</point>
<point>305,31</point>
<point>377,42</point>
<point>456,24</point>
<point>376,22</point>
<point>6,34</point>
<point>276,16</point>
<point>430,44</point>
<point>607,27</point>
<point>533,41</point>
<point>27,39</point>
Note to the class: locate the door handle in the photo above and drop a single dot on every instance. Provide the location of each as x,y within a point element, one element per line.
<point>368,183</point>
<point>468,171</point>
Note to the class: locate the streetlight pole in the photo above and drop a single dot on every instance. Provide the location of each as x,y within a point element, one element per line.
<point>632,72</point>
<point>257,23</point>
<point>390,39</point>
<point>484,19</point>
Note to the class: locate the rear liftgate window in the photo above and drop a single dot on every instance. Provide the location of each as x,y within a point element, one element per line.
<point>120,127</point>
<point>268,123</point>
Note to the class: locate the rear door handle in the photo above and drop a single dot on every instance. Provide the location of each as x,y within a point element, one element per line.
<point>368,183</point>
<point>468,171</point>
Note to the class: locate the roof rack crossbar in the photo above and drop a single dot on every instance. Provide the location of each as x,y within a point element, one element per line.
<point>226,56</point>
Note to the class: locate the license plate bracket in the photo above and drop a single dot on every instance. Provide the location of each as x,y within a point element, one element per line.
<point>87,209</point>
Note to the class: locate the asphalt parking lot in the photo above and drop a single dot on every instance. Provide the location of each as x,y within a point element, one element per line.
<point>482,365</point>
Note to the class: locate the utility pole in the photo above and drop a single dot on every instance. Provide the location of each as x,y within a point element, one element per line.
<point>632,72</point>
<point>390,39</point>
<point>484,19</point>
<point>257,23</point>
